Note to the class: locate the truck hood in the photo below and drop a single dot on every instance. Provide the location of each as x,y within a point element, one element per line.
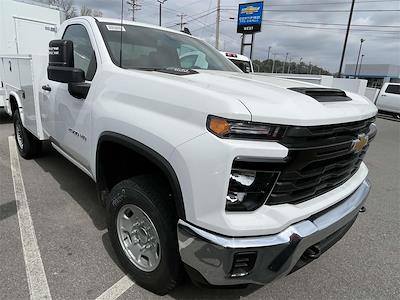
<point>268,99</point>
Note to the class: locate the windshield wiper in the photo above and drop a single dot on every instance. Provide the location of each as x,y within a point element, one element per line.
<point>171,70</point>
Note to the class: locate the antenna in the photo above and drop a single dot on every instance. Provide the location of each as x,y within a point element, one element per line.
<point>120,48</point>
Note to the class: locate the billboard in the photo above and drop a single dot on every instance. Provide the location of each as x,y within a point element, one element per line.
<point>250,17</point>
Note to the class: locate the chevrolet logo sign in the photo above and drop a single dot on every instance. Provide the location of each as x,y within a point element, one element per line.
<point>250,10</point>
<point>359,144</point>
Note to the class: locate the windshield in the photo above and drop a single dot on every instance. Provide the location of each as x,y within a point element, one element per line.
<point>243,65</point>
<point>149,48</point>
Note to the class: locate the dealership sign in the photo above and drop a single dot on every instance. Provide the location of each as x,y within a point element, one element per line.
<point>250,17</point>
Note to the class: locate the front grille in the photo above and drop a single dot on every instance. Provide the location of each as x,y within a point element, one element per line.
<point>320,159</point>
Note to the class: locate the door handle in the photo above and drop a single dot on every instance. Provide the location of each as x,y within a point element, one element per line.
<point>46,88</point>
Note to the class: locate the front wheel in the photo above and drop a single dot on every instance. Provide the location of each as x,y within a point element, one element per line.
<point>142,228</point>
<point>27,144</point>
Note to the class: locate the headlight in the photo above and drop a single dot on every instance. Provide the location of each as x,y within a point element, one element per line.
<point>235,129</point>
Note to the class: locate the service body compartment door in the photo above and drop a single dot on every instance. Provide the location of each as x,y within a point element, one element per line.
<point>27,96</point>
<point>33,36</point>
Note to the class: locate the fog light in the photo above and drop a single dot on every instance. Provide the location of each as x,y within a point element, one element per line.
<point>248,189</point>
<point>243,263</point>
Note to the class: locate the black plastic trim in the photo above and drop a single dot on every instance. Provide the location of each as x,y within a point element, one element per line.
<point>323,94</point>
<point>151,155</point>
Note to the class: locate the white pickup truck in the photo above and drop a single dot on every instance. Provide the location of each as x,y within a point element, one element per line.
<point>233,177</point>
<point>388,99</point>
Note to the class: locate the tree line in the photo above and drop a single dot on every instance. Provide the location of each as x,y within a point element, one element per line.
<point>278,66</point>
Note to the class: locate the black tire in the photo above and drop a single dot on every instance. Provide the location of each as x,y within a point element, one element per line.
<point>150,193</point>
<point>29,146</point>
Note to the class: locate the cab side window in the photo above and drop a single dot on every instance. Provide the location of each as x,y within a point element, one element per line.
<point>393,89</point>
<point>84,56</point>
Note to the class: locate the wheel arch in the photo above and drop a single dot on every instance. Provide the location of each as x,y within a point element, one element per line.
<point>15,102</point>
<point>151,155</point>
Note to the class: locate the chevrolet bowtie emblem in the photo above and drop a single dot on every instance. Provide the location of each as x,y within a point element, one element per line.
<point>360,143</point>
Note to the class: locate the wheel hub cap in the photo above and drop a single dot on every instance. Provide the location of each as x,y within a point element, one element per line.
<point>138,237</point>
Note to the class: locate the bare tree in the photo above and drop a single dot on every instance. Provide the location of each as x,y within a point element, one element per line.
<point>67,6</point>
<point>87,11</point>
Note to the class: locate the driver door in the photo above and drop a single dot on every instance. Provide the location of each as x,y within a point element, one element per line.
<point>72,116</point>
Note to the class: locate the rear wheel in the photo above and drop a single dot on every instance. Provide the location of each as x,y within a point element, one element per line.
<point>27,144</point>
<point>142,228</point>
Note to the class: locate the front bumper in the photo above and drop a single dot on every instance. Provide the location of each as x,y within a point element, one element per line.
<point>213,255</point>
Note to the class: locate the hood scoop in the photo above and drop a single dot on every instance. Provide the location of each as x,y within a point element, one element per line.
<point>323,94</point>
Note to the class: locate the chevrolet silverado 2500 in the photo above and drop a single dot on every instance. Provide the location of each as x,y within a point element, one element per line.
<point>233,177</point>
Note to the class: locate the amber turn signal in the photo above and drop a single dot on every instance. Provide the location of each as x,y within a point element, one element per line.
<point>219,126</point>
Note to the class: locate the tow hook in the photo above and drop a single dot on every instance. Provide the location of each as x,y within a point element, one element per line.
<point>363,209</point>
<point>313,252</point>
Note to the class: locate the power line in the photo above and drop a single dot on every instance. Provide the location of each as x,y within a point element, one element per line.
<point>269,4</point>
<point>333,24</point>
<point>192,18</point>
<point>337,28</point>
<point>325,10</point>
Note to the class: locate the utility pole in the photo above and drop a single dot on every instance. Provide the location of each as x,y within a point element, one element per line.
<point>273,63</point>
<point>135,6</point>
<point>345,40</point>
<point>161,2</point>
<point>310,67</point>
<point>359,69</point>
<point>217,24</point>
<point>181,23</point>
<point>358,57</point>
<point>290,62</point>
<point>284,64</point>
<point>299,70</point>
<point>269,50</point>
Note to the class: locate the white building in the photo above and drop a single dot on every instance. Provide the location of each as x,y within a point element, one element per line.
<point>376,74</point>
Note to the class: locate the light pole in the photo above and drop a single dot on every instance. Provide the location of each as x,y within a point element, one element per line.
<point>161,2</point>
<point>358,57</point>
<point>269,50</point>
<point>359,69</point>
<point>346,38</point>
<point>290,62</point>
<point>273,63</point>
<point>217,24</point>
<point>284,64</point>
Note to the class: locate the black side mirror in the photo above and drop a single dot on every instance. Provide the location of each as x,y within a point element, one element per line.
<point>61,63</point>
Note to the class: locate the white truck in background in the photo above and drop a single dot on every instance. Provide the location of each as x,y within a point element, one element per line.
<point>233,177</point>
<point>388,99</point>
<point>241,61</point>
<point>26,27</point>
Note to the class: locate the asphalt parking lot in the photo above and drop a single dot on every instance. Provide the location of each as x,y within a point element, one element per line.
<point>79,263</point>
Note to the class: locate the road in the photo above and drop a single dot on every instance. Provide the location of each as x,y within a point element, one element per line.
<point>79,263</point>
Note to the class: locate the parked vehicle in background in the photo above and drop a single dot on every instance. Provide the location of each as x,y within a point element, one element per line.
<point>388,99</point>
<point>26,27</point>
<point>233,178</point>
<point>241,61</point>
<point>2,96</point>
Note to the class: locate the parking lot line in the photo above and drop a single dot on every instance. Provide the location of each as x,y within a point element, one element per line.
<point>117,289</point>
<point>37,281</point>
